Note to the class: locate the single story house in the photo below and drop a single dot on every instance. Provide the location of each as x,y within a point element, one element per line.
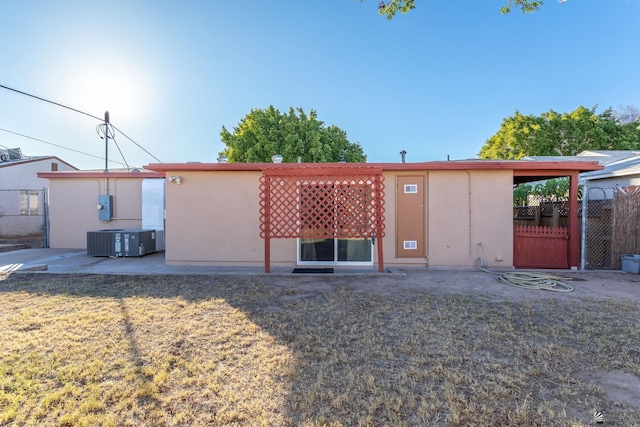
<point>20,172</point>
<point>430,214</point>
<point>23,195</point>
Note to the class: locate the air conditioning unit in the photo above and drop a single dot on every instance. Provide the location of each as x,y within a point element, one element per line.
<point>10,154</point>
<point>117,243</point>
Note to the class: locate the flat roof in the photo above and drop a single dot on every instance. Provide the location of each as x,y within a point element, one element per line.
<point>514,165</point>
<point>101,174</point>
<point>523,170</point>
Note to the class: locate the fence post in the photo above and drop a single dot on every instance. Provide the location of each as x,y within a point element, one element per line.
<point>583,240</point>
<point>536,215</point>
<point>573,247</point>
<point>555,222</point>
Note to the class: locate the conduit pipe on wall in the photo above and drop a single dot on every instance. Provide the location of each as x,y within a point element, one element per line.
<point>470,213</point>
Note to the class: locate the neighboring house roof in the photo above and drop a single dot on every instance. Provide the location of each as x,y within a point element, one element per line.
<point>616,163</point>
<point>621,168</point>
<point>603,157</point>
<point>31,159</point>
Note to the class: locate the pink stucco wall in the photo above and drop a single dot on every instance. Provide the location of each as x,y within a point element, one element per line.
<point>73,207</point>
<point>213,219</point>
<point>463,210</point>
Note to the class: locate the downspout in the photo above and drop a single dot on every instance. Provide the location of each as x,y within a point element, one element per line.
<point>470,213</point>
<point>426,217</point>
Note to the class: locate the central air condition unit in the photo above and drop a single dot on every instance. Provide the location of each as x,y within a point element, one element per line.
<point>10,154</point>
<point>117,243</point>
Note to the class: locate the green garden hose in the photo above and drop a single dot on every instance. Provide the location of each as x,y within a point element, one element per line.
<point>531,280</point>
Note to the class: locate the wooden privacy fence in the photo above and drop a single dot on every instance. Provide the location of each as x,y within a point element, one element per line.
<point>550,214</point>
<point>322,202</point>
<point>540,247</point>
<point>625,233</point>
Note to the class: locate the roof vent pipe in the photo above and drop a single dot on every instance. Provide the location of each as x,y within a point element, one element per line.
<point>402,154</point>
<point>223,159</point>
<point>276,158</point>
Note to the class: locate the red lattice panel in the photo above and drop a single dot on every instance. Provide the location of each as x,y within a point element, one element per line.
<point>317,203</point>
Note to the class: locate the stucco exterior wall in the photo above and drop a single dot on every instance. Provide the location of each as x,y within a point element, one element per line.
<point>470,217</point>
<point>463,209</point>
<point>73,208</point>
<point>213,218</point>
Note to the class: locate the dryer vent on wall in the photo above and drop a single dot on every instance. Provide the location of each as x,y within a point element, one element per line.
<point>410,244</point>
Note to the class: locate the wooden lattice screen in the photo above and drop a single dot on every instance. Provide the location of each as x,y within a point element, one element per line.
<point>320,202</point>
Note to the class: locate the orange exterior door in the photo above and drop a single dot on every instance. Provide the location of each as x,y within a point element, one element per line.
<point>410,219</point>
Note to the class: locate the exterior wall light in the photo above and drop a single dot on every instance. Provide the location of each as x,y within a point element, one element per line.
<point>175,178</point>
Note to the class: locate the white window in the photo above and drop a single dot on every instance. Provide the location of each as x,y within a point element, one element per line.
<point>410,188</point>
<point>29,202</point>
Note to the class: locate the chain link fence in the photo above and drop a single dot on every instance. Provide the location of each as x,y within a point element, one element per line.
<point>597,228</point>
<point>609,218</point>
<point>610,226</point>
<point>24,217</point>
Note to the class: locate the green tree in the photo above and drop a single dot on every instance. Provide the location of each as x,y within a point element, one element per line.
<point>264,133</point>
<point>560,134</point>
<point>391,7</point>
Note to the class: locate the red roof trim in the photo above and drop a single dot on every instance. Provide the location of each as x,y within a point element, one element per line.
<point>515,165</point>
<point>83,174</point>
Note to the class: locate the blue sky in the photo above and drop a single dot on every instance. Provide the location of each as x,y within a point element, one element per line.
<point>436,82</point>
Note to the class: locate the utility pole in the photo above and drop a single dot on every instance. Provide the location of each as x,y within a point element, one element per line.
<point>106,142</point>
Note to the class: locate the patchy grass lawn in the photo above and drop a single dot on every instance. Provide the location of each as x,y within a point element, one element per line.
<point>203,350</point>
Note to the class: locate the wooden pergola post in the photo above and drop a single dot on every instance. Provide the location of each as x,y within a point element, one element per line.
<point>267,227</point>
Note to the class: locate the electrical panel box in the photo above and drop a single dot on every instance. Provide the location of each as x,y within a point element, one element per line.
<point>117,243</point>
<point>105,207</point>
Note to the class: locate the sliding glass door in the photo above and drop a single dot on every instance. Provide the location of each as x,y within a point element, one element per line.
<point>355,251</point>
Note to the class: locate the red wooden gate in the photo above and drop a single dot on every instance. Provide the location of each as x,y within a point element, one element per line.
<point>540,247</point>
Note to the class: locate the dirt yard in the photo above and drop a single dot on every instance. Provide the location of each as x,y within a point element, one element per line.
<point>423,348</point>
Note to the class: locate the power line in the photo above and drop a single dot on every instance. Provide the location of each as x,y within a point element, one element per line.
<point>60,146</point>
<point>125,135</point>
<point>81,112</point>
<point>50,102</point>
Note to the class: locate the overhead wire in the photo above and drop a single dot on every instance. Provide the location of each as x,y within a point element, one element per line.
<point>125,135</point>
<point>110,134</point>
<point>50,102</point>
<point>86,114</point>
<point>120,151</point>
<point>57,145</point>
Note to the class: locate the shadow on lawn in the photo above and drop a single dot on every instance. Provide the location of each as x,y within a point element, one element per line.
<point>417,359</point>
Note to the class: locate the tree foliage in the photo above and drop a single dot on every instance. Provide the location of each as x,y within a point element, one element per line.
<point>391,7</point>
<point>554,190</point>
<point>264,133</point>
<point>561,134</point>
